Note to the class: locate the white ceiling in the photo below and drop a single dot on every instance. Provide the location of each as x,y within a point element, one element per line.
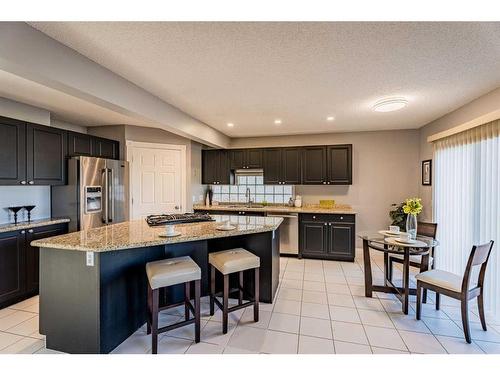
<point>252,73</point>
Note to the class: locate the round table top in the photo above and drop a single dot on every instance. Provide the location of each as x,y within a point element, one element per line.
<point>374,237</point>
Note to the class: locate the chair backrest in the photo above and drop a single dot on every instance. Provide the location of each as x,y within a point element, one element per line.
<point>427,229</point>
<point>478,257</point>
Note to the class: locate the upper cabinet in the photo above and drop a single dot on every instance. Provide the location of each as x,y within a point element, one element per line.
<point>245,159</point>
<point>12,152</point>
<point>32,154</point>
<point>79,144</point>
<point>45,155</point>
<point>339,164</point>
<point>105,148</point>
<point>310,165</point>
<point>282,166</point>
<point>215,167</point>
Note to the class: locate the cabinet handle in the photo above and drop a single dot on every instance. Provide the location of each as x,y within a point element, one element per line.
<point>30,231</point>
<point>324,182</point>
<point>326,224</point>
<point>314,217</point>
<point>328,182</point>
<point>31,182</point>
<point>23,182</point>
<point>341,218</point>
<point>23,231</point>
<point>330,224</point>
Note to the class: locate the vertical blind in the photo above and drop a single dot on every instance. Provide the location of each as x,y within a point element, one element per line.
<point>467,203</point>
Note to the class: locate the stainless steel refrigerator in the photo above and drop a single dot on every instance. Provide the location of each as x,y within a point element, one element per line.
<point>97,193</point>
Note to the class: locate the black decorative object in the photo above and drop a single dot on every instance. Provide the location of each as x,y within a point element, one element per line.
<point>397,215</point>
<point>15,210</point>
<point>427,172</point>
<point>29,209</point>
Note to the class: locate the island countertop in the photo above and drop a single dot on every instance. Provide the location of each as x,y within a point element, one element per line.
<point>137,233</point>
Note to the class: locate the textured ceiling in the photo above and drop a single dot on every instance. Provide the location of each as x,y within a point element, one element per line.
<point>252,73</point>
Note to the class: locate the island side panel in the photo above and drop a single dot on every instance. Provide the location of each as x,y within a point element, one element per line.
<point>69,301</point>
<point>266,246</point>
<point>123,287</point>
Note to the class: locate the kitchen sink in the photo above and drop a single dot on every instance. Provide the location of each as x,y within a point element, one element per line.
<point>245,206</point>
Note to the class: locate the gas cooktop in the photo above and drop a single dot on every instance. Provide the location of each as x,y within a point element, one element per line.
<point>156,220</point>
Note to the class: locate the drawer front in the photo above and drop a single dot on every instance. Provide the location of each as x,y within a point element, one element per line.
<point>333,218</point>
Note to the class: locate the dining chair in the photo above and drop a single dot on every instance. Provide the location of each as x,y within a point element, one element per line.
<point>423,229</point>
<point>457,287</point>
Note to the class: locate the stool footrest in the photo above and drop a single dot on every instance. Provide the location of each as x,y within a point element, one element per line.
<point>236,307</point>
<point>176,325</point>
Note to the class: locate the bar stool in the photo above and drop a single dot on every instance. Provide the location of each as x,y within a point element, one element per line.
<point>228,262</point>
<point>168,272</point>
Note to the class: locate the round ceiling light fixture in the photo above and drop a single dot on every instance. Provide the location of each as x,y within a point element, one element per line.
<point>330,118</point>
<point>277,121</point>
<point>230,124</point>
<point>390,105</point>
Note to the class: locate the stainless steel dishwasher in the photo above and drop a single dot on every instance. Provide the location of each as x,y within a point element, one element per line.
<point>289,232</point>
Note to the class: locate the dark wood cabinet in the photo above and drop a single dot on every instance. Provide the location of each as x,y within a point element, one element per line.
<point>245,158</point>
<point>12,265</point>
<point>232,212</point>
<point>215,167</point>
<point>282,166</point>
<point>310,165</point>
<point>314,165</point>
<point>80,144</point>
<point>105,148</point>
<point>45,155</point>
<point>327,236</point>
<point>339,164</point>
<point>19,262</point>
<point>12,152</point>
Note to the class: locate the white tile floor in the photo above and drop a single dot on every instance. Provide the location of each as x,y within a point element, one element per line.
<point>320,308</point>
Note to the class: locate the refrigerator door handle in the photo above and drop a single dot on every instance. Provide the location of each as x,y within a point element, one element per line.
<point>104,183</point>
<point>110,211</point>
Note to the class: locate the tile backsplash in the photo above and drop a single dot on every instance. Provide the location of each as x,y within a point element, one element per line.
<point>258,191</point>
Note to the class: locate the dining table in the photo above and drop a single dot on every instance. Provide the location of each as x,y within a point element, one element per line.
<point>391,244</point>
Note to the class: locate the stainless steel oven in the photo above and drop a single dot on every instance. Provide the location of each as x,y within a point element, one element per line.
<point>289,232</point>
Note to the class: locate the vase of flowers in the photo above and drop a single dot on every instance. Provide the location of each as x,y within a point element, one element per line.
<point>412,208</point>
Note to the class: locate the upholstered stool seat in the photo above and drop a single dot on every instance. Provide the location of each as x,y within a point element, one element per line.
<point>228,262</point>
<point>168,272</point>
<point>234,260</point>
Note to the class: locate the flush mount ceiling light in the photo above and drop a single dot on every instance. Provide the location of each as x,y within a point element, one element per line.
<point>230,124</point>
<point>389,105</point>
<point>330,118</point>
<point>277,122</point>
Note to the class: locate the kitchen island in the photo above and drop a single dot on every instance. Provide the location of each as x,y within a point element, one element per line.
<point>93,283</point>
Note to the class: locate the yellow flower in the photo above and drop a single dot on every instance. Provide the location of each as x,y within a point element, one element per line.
<point>412,206</point>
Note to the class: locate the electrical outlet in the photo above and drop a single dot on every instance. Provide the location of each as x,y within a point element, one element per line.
<point>90,259</point>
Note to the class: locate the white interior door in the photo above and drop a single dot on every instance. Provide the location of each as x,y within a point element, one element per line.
<point>157,175</point>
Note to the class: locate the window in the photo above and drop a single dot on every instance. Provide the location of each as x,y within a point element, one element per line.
<point>467,203</point>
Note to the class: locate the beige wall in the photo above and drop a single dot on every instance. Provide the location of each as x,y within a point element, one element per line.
<point>385,170</point>
<point>479,107</point>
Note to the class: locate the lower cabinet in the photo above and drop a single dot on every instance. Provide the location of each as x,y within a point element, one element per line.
<point>327,236</point>
<point>231,212</point>
<point>19,262</point>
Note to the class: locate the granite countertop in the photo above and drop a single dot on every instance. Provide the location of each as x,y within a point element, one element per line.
<point>32,224</point>
<point>310,209</point>
<point>137,233</point>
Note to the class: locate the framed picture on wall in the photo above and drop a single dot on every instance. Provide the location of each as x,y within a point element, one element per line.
<point>427,172</point>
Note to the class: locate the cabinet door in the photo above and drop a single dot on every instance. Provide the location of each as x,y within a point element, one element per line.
<point>314,165</point>
<point>340,164</point>
<point>223,171</point>
<point>272,166</point>
<point>236,159</point>
<point>210,161</point>
<point>105,148</point>
<point>291,166</point>
<point>79,144</point>
<point>313,238</point>
<point>33,253</point>
<point>254,158</point>
<point>341,240</point>
<point>12,265</point>
<point>46,155</point>
<point>12,152</point>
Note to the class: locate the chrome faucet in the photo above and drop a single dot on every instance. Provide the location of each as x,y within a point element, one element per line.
<point>247,196</point>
